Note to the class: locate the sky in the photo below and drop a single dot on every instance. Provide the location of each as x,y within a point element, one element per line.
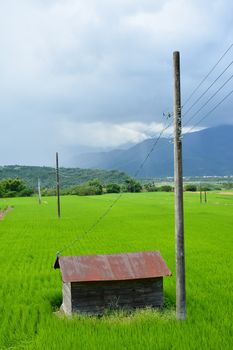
<point>81,75</point>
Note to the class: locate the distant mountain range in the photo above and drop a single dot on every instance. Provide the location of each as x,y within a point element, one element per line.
<point>208,152</point>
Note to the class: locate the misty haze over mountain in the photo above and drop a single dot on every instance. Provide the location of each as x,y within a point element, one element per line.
<point>205,153</point>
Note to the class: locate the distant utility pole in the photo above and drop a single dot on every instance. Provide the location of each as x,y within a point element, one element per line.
<point>178,179</point>
<point>39,192</point>
<point>205,197</point>
<point>58,187</point>
<point>200,194</point>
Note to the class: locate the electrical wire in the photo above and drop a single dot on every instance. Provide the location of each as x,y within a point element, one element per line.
<point>212,110</point>
<point>141,166</point>
<point>211,97</point>
<point>105,213</point>
<point>208,74</point>
<point>203,94</point>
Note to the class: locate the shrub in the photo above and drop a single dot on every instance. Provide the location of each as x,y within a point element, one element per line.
<point>96,186</point>
<point>166,188</point>
<point>86,190</point>
<point>91,188</point>
<point>48,192</point>
<point>14,188</point>
<point>191,187</point>
<point>206,188</point>
<point>113,188</point>
<point>132,185</point>
<point>150,187</point>
<point>228,185</point>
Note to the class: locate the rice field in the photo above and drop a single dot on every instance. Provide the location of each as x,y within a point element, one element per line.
<point>30,292</point>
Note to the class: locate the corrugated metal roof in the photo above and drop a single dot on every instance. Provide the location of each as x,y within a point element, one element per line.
<point>112,267</point>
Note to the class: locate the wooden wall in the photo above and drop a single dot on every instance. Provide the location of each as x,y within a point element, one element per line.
<point>66,293</point>
<point>97,297</point>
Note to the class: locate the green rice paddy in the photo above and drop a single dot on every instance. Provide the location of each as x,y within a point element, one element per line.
<point>30,289</point>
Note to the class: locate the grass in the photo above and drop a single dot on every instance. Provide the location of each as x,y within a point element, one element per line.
<point>30,289</point>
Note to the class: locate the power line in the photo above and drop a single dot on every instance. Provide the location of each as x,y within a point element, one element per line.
<point>216,92</point>
<point>204,79</point>
<point>212,110</point>
<point>203,94</point>
<point>105,213</point>
<point>151,150</point>
<point>91,228</point>
<point>210,98</point>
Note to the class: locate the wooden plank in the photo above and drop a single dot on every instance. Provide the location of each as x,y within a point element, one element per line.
<point>95,297</point>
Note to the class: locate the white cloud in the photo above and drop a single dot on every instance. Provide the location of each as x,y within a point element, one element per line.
<point>102,135</point>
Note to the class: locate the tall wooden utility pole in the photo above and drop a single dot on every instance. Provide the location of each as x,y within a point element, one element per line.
<point>58,187</point>
<point>178,178</point>
<point>39,192</point>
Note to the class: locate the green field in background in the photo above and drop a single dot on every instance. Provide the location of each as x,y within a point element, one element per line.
<point>30,290</point>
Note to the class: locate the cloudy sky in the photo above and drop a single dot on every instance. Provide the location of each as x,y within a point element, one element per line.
<point>84,74</point>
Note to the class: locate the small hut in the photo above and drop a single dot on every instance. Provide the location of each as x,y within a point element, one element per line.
<point>95,283</point>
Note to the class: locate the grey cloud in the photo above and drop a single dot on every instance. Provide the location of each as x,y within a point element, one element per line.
<point>102,62</point>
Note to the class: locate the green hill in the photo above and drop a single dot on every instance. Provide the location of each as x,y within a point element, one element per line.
<point>68,176</point>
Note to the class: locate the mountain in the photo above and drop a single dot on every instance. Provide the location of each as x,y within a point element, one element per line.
<point>205,153</point>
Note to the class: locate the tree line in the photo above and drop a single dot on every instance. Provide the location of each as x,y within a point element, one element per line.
<point>16,187</point>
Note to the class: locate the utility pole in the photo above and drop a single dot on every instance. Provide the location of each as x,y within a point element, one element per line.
<point>200,194</point>
<point>39,192</point>
<point>58,187</point>
<point>205,197</point>
<point>178,178</point>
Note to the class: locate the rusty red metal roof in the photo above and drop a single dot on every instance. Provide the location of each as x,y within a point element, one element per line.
<point>111,267</point>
